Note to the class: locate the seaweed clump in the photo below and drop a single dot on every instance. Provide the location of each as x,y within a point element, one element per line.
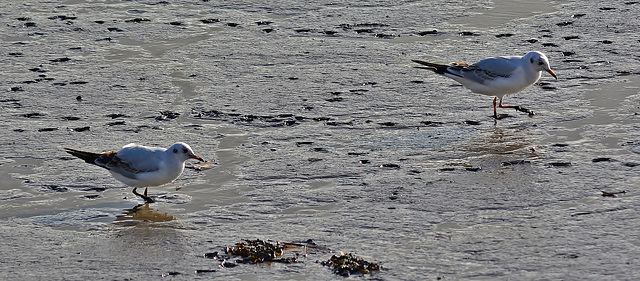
<point>259,251</point>
<point>347,264</point>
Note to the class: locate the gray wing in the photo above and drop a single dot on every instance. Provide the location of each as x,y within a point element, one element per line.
<point>491,68</point>
<point>481,72</point>
<point>133,159</point>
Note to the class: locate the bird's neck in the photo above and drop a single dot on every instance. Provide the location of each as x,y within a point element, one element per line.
<point>534,76</point>
<point>176,165</point>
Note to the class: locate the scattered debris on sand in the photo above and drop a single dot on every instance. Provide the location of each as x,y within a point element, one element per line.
<point>261,251</point>
<point>612,193</point>
<point>258,251</point>
<point>347,264</point>
<point>204,166</point>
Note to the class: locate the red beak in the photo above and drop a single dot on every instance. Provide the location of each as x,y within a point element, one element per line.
<point>197,157</point>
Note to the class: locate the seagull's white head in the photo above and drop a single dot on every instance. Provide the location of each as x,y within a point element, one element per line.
<point>539,62</point>
<point>183,152</point>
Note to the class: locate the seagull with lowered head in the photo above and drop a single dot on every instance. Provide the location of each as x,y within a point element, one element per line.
<point>141,166</point>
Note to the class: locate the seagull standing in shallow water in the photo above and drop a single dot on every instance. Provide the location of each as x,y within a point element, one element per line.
<point>141,166</point>
<point>496,77</point>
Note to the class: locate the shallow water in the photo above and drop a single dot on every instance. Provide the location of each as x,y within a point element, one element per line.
<point>321,129</point>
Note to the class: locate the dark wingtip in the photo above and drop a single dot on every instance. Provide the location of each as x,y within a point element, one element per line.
<point>422,62</point>
<point>425,67</point>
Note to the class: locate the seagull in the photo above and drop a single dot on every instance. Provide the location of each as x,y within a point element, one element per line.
<point>141,166</point>
<point>497,76</point>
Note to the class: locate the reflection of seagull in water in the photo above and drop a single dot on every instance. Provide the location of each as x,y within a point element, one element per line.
<point>496,76</point>
<point>143,212</point>
<point>141,166</point>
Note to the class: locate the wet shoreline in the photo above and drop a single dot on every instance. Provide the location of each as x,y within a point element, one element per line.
<point>321,129</point>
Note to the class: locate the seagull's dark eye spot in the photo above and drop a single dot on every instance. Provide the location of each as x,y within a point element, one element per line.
<point>540,63</point>
<point>185,151</point>
<point>531,60</point>
<point>175,150</point>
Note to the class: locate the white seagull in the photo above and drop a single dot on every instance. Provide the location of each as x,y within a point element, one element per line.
<point>141,166</point>
<point>497,77</point>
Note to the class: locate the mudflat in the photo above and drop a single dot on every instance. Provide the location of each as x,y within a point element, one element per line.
<point>321,130</point>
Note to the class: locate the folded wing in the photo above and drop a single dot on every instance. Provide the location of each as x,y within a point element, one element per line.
<point>129,161</point>
<point>133,159</point>
<point>481,72</point>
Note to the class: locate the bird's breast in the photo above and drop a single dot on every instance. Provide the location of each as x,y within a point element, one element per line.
<point>162,176</point>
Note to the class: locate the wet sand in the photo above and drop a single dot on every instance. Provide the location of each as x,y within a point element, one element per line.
<point>321,129</point>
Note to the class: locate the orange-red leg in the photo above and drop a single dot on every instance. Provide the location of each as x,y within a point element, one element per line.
<point>516,107</point>
<point>506,106</point>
